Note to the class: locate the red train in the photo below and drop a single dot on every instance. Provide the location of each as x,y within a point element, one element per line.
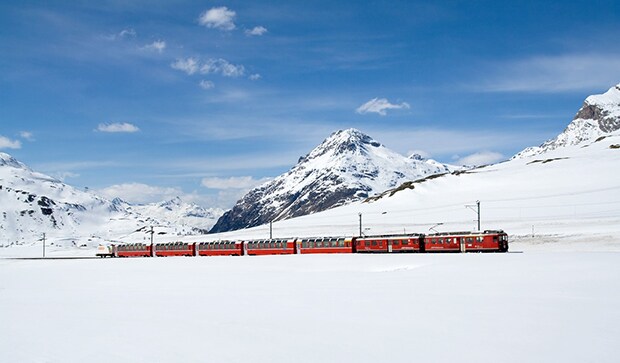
<point>487,241</point>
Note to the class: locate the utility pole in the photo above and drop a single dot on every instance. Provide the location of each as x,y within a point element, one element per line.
<point>270,229</point>
<point>360,215</point>
<point>151,232</point>
<point>478,205</point>
<point>477,210</point>
<point>43,245</point>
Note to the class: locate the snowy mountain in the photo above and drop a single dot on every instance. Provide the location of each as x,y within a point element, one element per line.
<point>346,167</point>
<point>33,203</point>
<point>598,117</point>
<point>179,213</point>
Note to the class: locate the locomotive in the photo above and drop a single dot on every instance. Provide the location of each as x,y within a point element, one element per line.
<point>485,241</point>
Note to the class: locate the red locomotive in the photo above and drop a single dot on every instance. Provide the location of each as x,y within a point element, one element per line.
<point>487,241</point>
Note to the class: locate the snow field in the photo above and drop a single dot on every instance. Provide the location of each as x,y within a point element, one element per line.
<point>539,306</point>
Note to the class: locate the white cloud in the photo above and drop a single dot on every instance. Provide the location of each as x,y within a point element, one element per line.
<point>210,66</point>
<point>379,105</point>
<point>204,84</point>
<point>156,46</point>
<point>255,77</point>
<point>63,175</point>
<point>118,127</point>
<point>6,143</point>
<point>189,65</point>
<point>480,158</point>
<point>563,73</point>
<point>218,18</point>
<point>140,193</point>
<point>27,135</point>
<point>127,33</point>
<point>240,182</point>
<point>223,67</point>
<point>257,31</point>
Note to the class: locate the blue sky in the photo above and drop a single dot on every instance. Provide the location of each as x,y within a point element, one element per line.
<point>147,100</point>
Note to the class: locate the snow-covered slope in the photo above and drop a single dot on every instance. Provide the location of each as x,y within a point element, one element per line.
<point>32,203</point>
<point>599,116</point>
<point>347,166</point>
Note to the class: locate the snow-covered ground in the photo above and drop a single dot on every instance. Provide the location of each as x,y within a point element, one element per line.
<point>535,304</point>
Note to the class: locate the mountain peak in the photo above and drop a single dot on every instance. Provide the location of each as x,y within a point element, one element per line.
<point>341,143</point>
<point>8,160</point>
<point>598,116</point>
<point>416,157</point>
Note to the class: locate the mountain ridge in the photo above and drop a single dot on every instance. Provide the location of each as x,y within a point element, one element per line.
<point>347,166</point>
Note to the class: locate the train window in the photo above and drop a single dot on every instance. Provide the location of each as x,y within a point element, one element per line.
<point>448,240</point>
<point>396,243</point>
<point>469,239</point>
<point>341,243</point>
<point>374,243</point>
<point>479,239</point>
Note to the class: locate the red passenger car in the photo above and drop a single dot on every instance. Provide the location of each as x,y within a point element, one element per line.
<point>391,243</point>
<point>174,249</point>
<point>219,248</point>
<point>487,241</point>
<point>325,245</point>
<point>133,250</point>
<point>270,247</point>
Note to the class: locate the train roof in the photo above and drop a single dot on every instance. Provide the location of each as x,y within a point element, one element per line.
<point>393,236</point>
<point>464,233</point>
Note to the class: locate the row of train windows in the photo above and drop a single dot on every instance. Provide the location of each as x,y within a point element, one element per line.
<point>273,244</point>
<point>132,248</point>
<point>375,243</point>
<point>217,246</point>
<point>455,240</point>
<point>319,244</point>
<point>174,247</point>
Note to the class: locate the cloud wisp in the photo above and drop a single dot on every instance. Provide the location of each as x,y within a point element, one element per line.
<point>188,65</point>
<point>380,106</point>
<point>157,46</point>
<point>256,31</point>
<point>26,135</point>
<point>204,84</point>
<point>118,127</point>
<point>210,66</point>
<point>240,182</point>
<point>554,74</point>
<point>480,158</point>
<point>6,143</point>
<point>220,18</point>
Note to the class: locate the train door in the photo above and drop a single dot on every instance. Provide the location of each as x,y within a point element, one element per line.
<point>389,246</point>
<point>297,246</point>
<point>461,243</point>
